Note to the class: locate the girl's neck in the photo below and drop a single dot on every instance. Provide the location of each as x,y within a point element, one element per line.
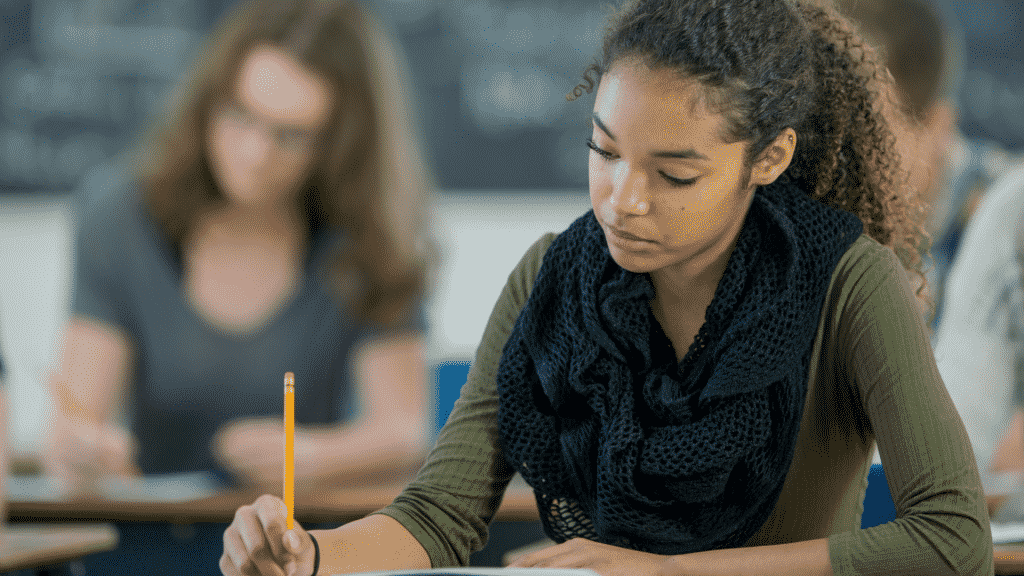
<point>694,281</point>
<point>263,223</point>
<point>241,266</point>
<point>684,291</point>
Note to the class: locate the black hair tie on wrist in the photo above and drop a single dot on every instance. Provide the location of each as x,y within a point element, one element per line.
<point>316,556</point>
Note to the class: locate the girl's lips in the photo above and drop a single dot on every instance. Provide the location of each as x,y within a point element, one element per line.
<point>627,240</point>
<point>627,236</point>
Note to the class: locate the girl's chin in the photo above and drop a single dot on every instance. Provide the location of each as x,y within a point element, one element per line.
<point>633,262</point>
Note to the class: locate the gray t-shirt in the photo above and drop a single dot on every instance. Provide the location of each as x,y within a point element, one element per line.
<point>190,377</point>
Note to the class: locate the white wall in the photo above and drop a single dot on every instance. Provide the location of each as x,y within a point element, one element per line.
<point>481,235</point>
<point>35,278</point>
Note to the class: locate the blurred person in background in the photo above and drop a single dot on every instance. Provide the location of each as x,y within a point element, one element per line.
<point>273,222</point>
<point>979,347</point>
<point>924,54</point>
<point>977,343</point>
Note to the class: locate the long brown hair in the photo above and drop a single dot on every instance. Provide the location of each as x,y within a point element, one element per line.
<point>771,64</point>
<point>368,178</point>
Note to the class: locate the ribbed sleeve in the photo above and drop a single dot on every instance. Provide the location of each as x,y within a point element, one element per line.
<point>455,495</point>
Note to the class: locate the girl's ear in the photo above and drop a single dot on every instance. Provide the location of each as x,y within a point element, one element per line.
<point>775,159</point>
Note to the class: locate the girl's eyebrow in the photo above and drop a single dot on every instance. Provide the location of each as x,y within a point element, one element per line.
<point>688,154</point>
<point>600,124</point>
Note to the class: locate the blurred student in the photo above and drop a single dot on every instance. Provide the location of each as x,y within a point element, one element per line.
<point>924,54</point>
<point>274,222</point>
<point>980,344</point>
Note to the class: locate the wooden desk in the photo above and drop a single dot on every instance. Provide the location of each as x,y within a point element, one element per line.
<point>339,505</point>
<point>32,545</point>
<point>186,536</point>
<point>1009,558</point>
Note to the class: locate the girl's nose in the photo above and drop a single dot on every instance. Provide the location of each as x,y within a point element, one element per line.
<point>629,191</point>
<point>254,146</point>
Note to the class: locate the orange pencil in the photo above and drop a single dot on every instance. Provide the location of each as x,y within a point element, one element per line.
<point>289,447</point>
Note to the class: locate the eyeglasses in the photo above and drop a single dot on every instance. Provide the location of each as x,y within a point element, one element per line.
<point>291,139</point>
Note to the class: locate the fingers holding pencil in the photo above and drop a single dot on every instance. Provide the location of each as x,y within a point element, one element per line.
<point>264,539</point>
<point>258,543</point>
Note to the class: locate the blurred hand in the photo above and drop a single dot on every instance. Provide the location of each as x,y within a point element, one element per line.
<point>258,543</point>
<point>253,450</point>
<point>79,450</point>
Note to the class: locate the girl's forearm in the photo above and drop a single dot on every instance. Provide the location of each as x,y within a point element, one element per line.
<point>809,558</point>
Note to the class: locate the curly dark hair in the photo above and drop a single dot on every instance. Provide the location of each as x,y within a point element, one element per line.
<point>768,65</point>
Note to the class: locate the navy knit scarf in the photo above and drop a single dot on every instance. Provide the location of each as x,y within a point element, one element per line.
<point>624,445</point>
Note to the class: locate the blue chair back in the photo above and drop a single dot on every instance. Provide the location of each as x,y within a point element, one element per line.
<point>878,505</point>
<point>449,376</point>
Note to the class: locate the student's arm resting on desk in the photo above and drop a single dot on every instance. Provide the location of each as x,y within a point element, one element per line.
<point>942,527</point>
<point>89,384</point>
<point>942,524</point>
<point>388,438</point>
<point>807,558</point>
<point>98,355</point>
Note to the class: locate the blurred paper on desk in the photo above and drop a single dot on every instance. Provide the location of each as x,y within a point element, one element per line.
<point>150,488</point>
<point>162,487</point>
<point>36,489</point>
<point>484,572</point>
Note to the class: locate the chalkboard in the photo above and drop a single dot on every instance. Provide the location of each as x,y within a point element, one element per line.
<point>79,79</point>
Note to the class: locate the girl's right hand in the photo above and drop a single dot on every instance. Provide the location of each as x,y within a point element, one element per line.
<point>258,543</point>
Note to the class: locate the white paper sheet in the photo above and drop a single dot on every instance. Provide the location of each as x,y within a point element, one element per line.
<point>484,572</point>
<point>150,488</point>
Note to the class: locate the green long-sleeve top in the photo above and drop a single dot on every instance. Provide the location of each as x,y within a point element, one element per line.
<point>872,378</point>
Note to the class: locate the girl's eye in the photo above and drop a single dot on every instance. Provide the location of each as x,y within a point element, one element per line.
<point>600,151</point>
<point>672,180</point>
<point>293,138</point>
<point>678,182</point>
